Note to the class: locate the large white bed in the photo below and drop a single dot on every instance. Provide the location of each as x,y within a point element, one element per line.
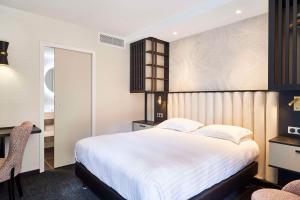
<point>161,163</point>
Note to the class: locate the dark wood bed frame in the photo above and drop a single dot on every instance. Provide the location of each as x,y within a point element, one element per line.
<point>216,192</point>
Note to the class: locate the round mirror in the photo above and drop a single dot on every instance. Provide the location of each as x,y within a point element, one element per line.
<point>49,79</point>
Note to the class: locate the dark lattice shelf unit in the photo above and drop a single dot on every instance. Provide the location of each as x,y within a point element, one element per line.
<point>284,45</point>
<point>149,66</point>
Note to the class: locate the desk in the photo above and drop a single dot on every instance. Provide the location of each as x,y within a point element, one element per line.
<point>5,132</point>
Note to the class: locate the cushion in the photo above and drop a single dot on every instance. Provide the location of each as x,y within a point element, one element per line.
<point>272,194</point>
<point>293,187</point>
<point>180,124</point>
<point>232,133</point>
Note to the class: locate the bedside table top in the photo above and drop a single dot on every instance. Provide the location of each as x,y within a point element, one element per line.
<point>288,140</point>
<point>151,123</point>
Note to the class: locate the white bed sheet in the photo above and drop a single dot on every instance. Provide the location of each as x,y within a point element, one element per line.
<point>158,164</point>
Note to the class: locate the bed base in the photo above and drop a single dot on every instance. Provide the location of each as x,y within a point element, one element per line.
<point>217,192</point>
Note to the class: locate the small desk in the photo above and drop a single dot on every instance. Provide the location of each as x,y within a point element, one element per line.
<point>5,132</point>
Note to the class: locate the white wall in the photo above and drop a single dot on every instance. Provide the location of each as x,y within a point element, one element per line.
<point>20,84</point>
<point>232,57</point>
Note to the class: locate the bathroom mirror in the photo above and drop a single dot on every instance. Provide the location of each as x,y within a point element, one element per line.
<point>49,79</point>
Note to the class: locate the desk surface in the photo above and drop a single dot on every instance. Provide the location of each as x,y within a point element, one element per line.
<point>5,131</point>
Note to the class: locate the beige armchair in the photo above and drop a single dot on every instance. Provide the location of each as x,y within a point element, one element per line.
<point>291,191</point>
<point>10,167</point>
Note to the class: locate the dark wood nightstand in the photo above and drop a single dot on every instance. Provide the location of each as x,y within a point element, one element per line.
<point>142,124</point>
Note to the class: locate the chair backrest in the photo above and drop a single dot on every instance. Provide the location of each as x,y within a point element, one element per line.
<point>17,143</point>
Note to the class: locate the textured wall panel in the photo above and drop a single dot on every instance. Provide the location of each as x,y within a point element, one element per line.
<point>170,106</point>
<point>222,58</point>
<point>181,105</point>
<point>150,107</point>
<point>202,107</point>
<point>210,108</point>
<point>195,106</point>
<point>259,130</point>
<point>188,106</point>
<point>237,103</point>
<point>218,108</point>
<point>227,108</point>
<point>257,111</point>
<point>175,105</point>
<point>271,131</point>
<point>248,112</point>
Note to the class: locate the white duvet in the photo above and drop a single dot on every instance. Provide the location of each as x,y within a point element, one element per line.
<point>162,164</point>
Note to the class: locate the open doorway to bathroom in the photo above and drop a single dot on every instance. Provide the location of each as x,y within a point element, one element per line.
<point>68,99</point>
<point>49,108</point>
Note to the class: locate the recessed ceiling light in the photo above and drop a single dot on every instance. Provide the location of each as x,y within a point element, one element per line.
<point>175,33</point>
<point>238,12</point>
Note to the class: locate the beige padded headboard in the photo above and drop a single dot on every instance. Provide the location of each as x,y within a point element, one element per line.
<point>257,111</point>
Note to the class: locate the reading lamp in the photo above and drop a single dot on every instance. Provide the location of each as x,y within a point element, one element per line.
<point>296,103</point>
<point>3,52</point>
<point>159,101</point>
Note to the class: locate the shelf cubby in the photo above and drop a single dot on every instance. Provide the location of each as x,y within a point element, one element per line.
<point>149,66</point>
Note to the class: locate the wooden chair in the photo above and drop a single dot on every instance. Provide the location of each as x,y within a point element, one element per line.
<point>291,191</point>
<point>10,167</point>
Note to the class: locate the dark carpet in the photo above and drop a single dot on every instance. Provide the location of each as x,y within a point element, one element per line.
<point>62,184</point>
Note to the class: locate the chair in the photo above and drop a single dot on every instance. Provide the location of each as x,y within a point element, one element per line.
<point>10,167</point>
<point>291,191</point>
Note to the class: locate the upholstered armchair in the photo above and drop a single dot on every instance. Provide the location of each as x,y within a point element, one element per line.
<point>10,167</point>
<point>291,191</point>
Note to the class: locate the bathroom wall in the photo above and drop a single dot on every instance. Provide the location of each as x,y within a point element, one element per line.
<point>49,80</point>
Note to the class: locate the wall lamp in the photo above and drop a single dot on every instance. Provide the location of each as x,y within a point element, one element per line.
<point>159,101</point>
<point>3,53</point>
<point>296,103</point>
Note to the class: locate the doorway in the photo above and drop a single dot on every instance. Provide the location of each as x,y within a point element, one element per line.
<point>49,108</point>
<point>68,101</point>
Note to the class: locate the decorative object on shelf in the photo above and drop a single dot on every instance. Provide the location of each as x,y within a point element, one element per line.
<point>284,67</point>
<point>149,66</point>
<point>298,22</point>
<point>3,52</point>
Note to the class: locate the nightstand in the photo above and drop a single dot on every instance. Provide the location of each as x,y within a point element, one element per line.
<point>285,155</point>
<point>142,124</point>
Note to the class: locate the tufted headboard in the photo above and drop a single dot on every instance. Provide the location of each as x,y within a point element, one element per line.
<point>257,111</point>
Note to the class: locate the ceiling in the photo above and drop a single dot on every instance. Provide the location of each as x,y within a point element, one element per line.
<point>135,19</point>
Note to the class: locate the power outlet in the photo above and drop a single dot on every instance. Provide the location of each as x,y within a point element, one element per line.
<point>294,130</point>
<point>160,115</point>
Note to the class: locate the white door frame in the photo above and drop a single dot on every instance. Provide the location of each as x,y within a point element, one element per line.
<point>43,45</point>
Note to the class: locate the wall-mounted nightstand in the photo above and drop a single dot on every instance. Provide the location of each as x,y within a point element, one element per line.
<point>285,155</point>
<point>142,124</point>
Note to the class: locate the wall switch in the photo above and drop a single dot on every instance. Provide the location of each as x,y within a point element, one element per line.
<point>294,130</point>
<point>160,115</point>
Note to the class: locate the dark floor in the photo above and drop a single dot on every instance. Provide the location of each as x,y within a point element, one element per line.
<point>62,184</point>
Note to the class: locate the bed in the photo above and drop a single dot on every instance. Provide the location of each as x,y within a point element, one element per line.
<point>164,164</point>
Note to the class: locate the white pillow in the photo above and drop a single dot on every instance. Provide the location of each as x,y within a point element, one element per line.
<point>226,132</point>
<point>180,124</point>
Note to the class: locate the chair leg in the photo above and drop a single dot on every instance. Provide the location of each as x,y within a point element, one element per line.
<point>19,186</point>
<point>12,183</point>
<point>9,189</point>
